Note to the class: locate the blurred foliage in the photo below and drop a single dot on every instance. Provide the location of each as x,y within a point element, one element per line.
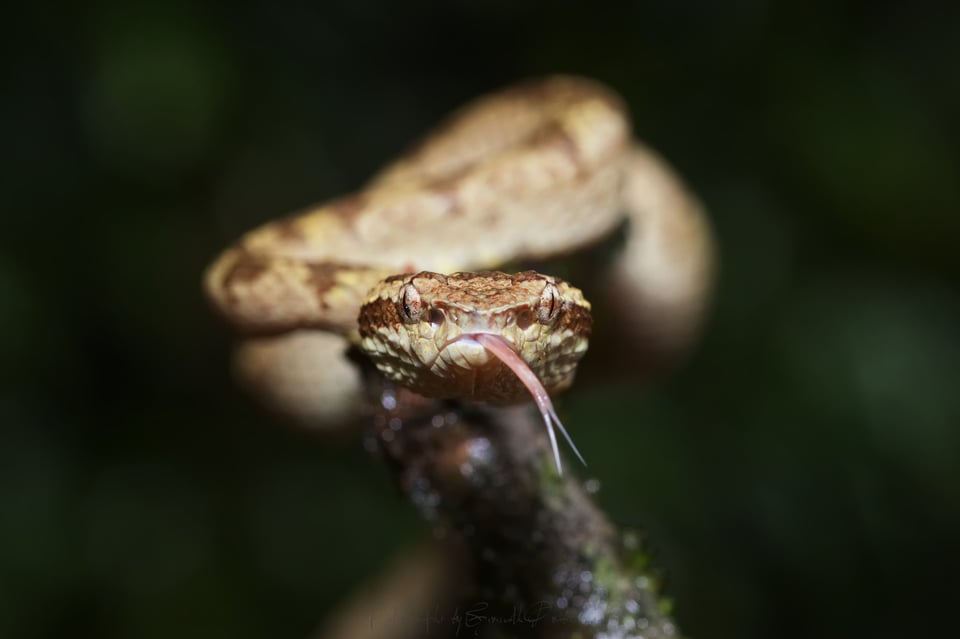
<point>800,477</point>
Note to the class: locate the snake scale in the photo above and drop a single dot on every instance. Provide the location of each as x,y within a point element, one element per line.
<point>404,270</point>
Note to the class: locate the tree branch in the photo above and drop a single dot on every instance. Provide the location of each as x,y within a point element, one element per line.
<point>546,560</point>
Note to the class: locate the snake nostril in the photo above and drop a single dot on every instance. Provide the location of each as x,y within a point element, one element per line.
<point>525,320</point>
<point>436,317</point>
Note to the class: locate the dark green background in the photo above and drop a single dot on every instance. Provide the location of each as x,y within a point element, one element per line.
<point>799,478</point>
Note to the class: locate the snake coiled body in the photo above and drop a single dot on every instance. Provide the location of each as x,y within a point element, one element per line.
<point>539,170</point>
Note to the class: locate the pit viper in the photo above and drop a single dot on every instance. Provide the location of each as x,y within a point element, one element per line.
<point>406,269</point>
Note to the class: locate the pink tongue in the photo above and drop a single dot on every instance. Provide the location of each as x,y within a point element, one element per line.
<point>499,347</point>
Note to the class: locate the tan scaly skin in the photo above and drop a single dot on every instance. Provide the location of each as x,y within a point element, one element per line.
<point>542,169</point>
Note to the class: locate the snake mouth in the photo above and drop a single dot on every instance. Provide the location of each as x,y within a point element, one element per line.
<point>502,350</point>
<point>464,339</point>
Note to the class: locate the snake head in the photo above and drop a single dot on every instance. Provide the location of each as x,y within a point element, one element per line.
<point>420,330</point>
<point>489,337</point>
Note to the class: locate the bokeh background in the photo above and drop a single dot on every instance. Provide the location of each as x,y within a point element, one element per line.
<point>799,477</point>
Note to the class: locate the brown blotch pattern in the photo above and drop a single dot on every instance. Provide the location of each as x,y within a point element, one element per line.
<point>289,231</point>
<point>323,276</point>
<point>245,269</point>
<point>575,319</point>
<point>351,206</point>
<point>378,312</point>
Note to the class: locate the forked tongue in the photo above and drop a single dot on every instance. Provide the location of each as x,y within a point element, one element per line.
<point>499,347</point>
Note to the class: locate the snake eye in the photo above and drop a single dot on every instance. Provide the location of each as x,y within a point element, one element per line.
<point>549,304</point>
<point>409,304</point>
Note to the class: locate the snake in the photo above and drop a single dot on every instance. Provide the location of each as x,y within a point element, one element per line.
<point>408,269</point>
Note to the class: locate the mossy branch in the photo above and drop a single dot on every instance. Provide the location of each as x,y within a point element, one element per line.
<point>543,559</point>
